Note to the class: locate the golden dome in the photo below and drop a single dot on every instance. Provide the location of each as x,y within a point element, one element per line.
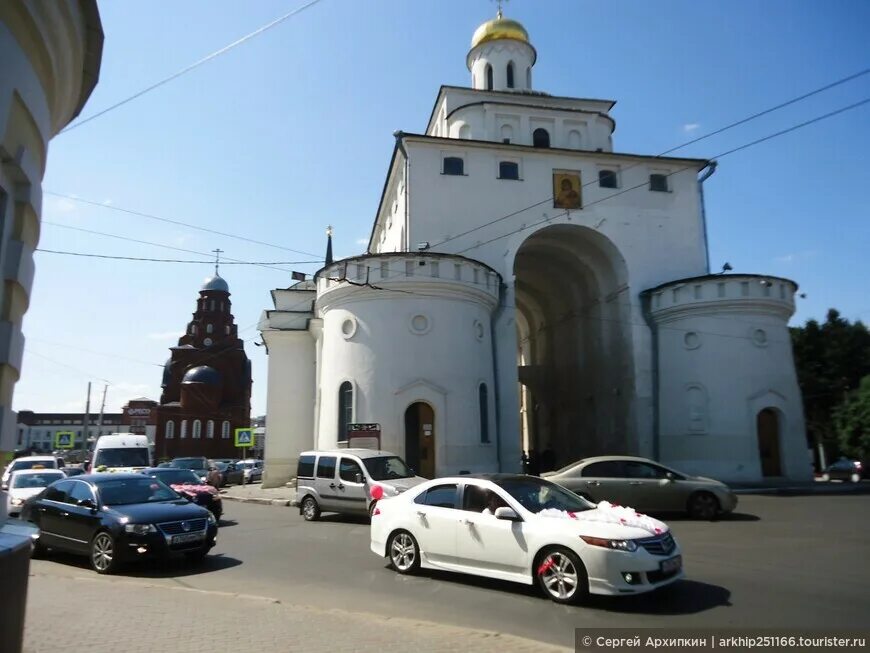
<point>499,28</point>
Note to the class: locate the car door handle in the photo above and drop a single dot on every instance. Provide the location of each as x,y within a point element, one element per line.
<point>592,483</point>
<point>64,513</point>
<point>332,485</point>
<point>421,514</point>
<point>341,486</point>
<point>467,522</point>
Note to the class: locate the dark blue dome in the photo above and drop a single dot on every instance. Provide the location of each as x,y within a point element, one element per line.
<point>202,374</point>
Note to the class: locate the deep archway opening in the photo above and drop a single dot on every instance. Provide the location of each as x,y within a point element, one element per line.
<point>767,429</point>
<point>420,438</point>
<point>574,355</point>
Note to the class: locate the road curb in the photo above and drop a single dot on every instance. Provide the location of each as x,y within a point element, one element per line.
<point>259,500</point>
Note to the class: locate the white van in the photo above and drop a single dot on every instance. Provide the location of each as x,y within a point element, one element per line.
<point>120,452</point>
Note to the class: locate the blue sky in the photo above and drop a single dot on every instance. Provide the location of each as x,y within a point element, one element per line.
<point>293,131</point>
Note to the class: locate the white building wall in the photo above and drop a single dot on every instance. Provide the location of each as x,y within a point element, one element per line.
<point>725,354</point>
<point>497,54</point>
<point>369,339</point>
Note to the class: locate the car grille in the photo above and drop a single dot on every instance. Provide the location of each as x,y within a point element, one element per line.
<point>176,528</point>
<point>660,545</point>
<point>658,576</point>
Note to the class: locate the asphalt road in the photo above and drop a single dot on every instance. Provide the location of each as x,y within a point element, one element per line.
<point>780,562</point>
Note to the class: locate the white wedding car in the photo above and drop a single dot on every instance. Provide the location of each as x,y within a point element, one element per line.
<point>525,529</point>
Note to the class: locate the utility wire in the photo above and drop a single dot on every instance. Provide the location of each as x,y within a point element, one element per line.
<point>179,223</point>
<point>146,242</point>
<point>172,260</point>
<point>194,65</point>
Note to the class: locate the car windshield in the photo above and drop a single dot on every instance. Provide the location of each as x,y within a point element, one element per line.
<point>535,495</point>
<point>123,491</point>
<point>189,463</point>
<point>177,476</point>
<point>36,479</point>
<point>125,457</point>
<point>385,468</point>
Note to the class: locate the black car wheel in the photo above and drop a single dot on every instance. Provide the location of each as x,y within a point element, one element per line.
<point>310,509</point>
<point>196,557</point>
<point>562,576</point>
<point>703,505</point>
<point>103,556</point>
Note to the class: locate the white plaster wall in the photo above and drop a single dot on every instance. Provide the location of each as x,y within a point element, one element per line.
<point>289,402</point>
<point>714,343</point>
<point>390,234</point>
<point>498,54</point>
<point>391,367</point>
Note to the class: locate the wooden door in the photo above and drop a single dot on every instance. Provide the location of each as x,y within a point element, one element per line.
<point>767,424</point>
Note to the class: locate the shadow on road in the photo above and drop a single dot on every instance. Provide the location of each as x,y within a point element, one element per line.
<point>225,523</point>
<point>345,519</point>
<point>171,568</point>
<point>681,598</point>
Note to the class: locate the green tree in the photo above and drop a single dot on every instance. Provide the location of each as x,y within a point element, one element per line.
<point>852,422</point>
<point>831,359</point>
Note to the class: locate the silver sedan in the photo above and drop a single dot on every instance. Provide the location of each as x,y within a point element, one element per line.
<point>646,486</point>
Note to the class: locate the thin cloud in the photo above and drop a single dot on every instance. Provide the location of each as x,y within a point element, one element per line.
<point>690,127</point>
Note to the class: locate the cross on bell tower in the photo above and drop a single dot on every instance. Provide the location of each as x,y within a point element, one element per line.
<point>217,259</point>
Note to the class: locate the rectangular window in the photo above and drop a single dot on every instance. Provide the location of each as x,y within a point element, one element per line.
<point>326,467</point>
<point>658,182</point>
<point>454,165</point>
<point>607,179</point>
<point>508,170</point>
<point>440,496</point>
<point>305,469</point>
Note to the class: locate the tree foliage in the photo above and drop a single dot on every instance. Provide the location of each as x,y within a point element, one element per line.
<point>831,360</point>
<point>852,421</point>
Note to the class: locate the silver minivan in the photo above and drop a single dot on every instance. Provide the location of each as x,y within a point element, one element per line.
<point>349,480</point>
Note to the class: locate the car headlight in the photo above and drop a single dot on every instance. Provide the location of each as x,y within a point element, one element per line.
<point>617,545</point>
<point>17,502</point>
<point>211,520</point>
<point>140,529</point>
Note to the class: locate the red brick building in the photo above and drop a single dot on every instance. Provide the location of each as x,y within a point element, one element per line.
<point>206,383</point>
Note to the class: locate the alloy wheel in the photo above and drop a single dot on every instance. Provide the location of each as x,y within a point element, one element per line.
<point>102,552</point>
<point>403,552</point>
<point>559,576</point>
<point>703,506</point>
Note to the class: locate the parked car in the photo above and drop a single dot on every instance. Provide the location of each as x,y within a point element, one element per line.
<point>114,518</point>
<point>188,484</point>
<point>845,470</point>
<point>645,485</point>
<point>252,470</point>
<point>229,472</point>
<point>527,530</point>
<point>25,483</point>
<point>198,464</point>
<point>120,452</point>
<point>27,462</point>
<point>349,480</point>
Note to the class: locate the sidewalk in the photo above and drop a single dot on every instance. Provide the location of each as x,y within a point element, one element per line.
<point>107,615</point>
<point>255,493</point>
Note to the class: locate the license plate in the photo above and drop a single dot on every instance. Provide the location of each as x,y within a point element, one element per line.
<point>186,537</point>
<point>671,565</point>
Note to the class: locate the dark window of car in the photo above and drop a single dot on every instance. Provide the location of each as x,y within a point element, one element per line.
<point>190,463</point>
<point>306,467</point>
<point>384,468</point>
<point>604,469</point>
<point>643,470</point>
<point>125,491</point>
<point>607,179</point>
<point>541,137</point>
<point>79,492</point>
<point>35,480</point>
<point>348,470</point>
<point>508,170</point>
<point>658,183</point>
<point>474,498</point>
<point>326,467</point>
<point>125,457</point>
<point>58,491</point>
<point>454,165</point>
<point>178,477</point>
<point>440,496</point>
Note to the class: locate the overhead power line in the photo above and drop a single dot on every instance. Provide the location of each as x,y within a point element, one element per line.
<point>173,260</point>
<point>194,65</point>
<point>179,223</point>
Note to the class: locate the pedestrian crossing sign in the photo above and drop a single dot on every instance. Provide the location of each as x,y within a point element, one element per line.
<point>64,440</point>
<point>244,438</point>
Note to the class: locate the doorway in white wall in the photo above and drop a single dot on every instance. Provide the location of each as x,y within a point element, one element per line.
<point>420,438</point>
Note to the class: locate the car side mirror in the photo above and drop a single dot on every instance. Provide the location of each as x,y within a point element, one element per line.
<point>507,513</point>
<point>86,503</point>
<point>358,478</point>
<point>671,476</point>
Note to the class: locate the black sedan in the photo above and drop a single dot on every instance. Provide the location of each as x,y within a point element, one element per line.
<point>114,518</point>
<point>188,484</point>
<point>845,470</point>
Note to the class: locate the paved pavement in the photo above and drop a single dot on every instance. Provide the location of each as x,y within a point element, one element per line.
<point>279,496</point>
<point>91,613</point>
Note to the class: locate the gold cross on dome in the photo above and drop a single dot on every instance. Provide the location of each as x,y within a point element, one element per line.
<point>499,3</point>
<point>217,259</point>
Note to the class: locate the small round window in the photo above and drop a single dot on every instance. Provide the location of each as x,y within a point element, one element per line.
<point>759,337</point>
<point>691,340</point>
<point>420,324</point>
<point>348,328</point>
